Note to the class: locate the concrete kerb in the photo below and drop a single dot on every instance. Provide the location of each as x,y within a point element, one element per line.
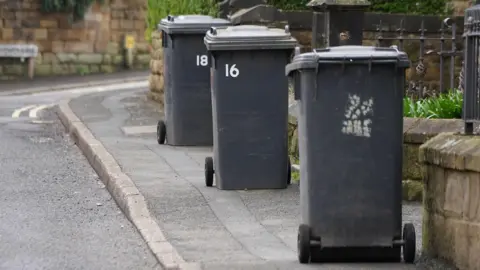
<point>123,190</point>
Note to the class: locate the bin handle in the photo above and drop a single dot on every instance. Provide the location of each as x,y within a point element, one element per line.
<point>213,30</point>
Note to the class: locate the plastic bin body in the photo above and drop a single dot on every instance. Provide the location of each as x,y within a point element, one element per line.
<point>350,135</point>
<point>188,105</point>
<point>250,109</point>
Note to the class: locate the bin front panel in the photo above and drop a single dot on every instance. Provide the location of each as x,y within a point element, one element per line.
<point>351,153</point>
<point>189,110</point>
<point>250,110</point>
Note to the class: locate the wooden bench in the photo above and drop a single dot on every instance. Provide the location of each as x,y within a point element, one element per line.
<point>22,51</point>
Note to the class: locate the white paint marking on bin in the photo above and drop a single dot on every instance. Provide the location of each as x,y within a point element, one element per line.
<point>357,117</point>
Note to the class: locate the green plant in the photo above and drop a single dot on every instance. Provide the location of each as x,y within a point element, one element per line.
<point>423,7</point>
<point>159,9</point>
<point>76,8</point>
<point>447,105</point>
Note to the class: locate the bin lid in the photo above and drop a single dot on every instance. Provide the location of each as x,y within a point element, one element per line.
<point>347,55</point>
<point>190,24</point>
<point>249,37</point>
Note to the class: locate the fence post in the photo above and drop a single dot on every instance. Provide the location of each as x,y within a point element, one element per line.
<point>342,22</point>
<point>471,105</point>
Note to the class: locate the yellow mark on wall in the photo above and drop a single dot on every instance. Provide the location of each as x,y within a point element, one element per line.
<point>129,42</point>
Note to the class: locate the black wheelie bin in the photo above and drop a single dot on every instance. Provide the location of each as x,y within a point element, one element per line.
<point>188,104</point>
<point>250,107</point>
<point>350,134</point>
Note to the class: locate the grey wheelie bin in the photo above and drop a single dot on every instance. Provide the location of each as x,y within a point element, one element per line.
<point>350,102</point>
<point>187,99</point>
<point>250,107</point>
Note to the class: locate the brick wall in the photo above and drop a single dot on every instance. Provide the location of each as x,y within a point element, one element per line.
<point>92,45</point>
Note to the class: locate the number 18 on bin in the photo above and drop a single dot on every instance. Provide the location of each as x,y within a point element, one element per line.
<point>202,60</point>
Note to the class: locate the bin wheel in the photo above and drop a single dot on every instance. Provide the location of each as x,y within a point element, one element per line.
<point>209,171</point>
<point>161,132</point>
<point>410,245</point>
<point>289,172</point>
<point>303,244</point>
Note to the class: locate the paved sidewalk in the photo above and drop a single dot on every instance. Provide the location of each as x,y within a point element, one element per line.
<point>40,84</point>
<point>217,229</point>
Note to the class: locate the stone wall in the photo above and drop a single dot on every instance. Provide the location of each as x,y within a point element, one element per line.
<point>89,46</point>
<point>156,81</point>
<point>451,228</point>
<point>417,131</point>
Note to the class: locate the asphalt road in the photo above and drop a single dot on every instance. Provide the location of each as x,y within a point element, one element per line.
<point>54,211</point>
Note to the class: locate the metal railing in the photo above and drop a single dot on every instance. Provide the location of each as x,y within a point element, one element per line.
<point>447,52</point>
<point>471,95</point>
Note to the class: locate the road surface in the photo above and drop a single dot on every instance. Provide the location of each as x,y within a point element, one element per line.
<point>54,211</point>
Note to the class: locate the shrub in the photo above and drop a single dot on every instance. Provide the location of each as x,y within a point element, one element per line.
<point>447,105</point>
<point>159,9</point>
<point>424,7</point>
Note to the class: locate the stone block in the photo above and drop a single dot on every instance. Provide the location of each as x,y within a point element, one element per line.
<point>143,59</point>
<point>142,47</point>
<point>139,25</point>
<point>117,14</point>
<point>411,166</point>
<point>44,45</point>
<point>157,54</point>
<point>90,58</point>
<point>472,213</point>
<point>78,47</point>
<point>115,24</point>
<point>107,59</point>
<point>6,34</point>
<point>456,189</point>
<point>67,58</point>
<point>156,66</point>
<point>43,70</point>
<point>94,68</point>
<point>13,69</point>
<point>156,83</point>
<point>40,34</point>
<point>474,247</point>
<point>50,58</point>
<point>126,24</point>
<point>157,44</point>
<point>60,69</point>
<point>118,59</point>
<point>58,46</point>
<point>49,23</point>
<point>39,59</point>
<point>116,36</point>
<point>106,68</point>
<point>460,237</point>
<point>434,189</point>
<point>112,48</point>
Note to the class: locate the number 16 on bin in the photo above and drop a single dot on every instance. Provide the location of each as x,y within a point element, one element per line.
<point>231,71</point>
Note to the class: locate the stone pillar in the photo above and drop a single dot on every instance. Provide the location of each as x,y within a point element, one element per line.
<point>156,67</point>
<point>337,22</point>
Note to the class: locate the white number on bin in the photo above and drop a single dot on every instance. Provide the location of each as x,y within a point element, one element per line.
<point>202,60</point>
<point>231,71</point>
